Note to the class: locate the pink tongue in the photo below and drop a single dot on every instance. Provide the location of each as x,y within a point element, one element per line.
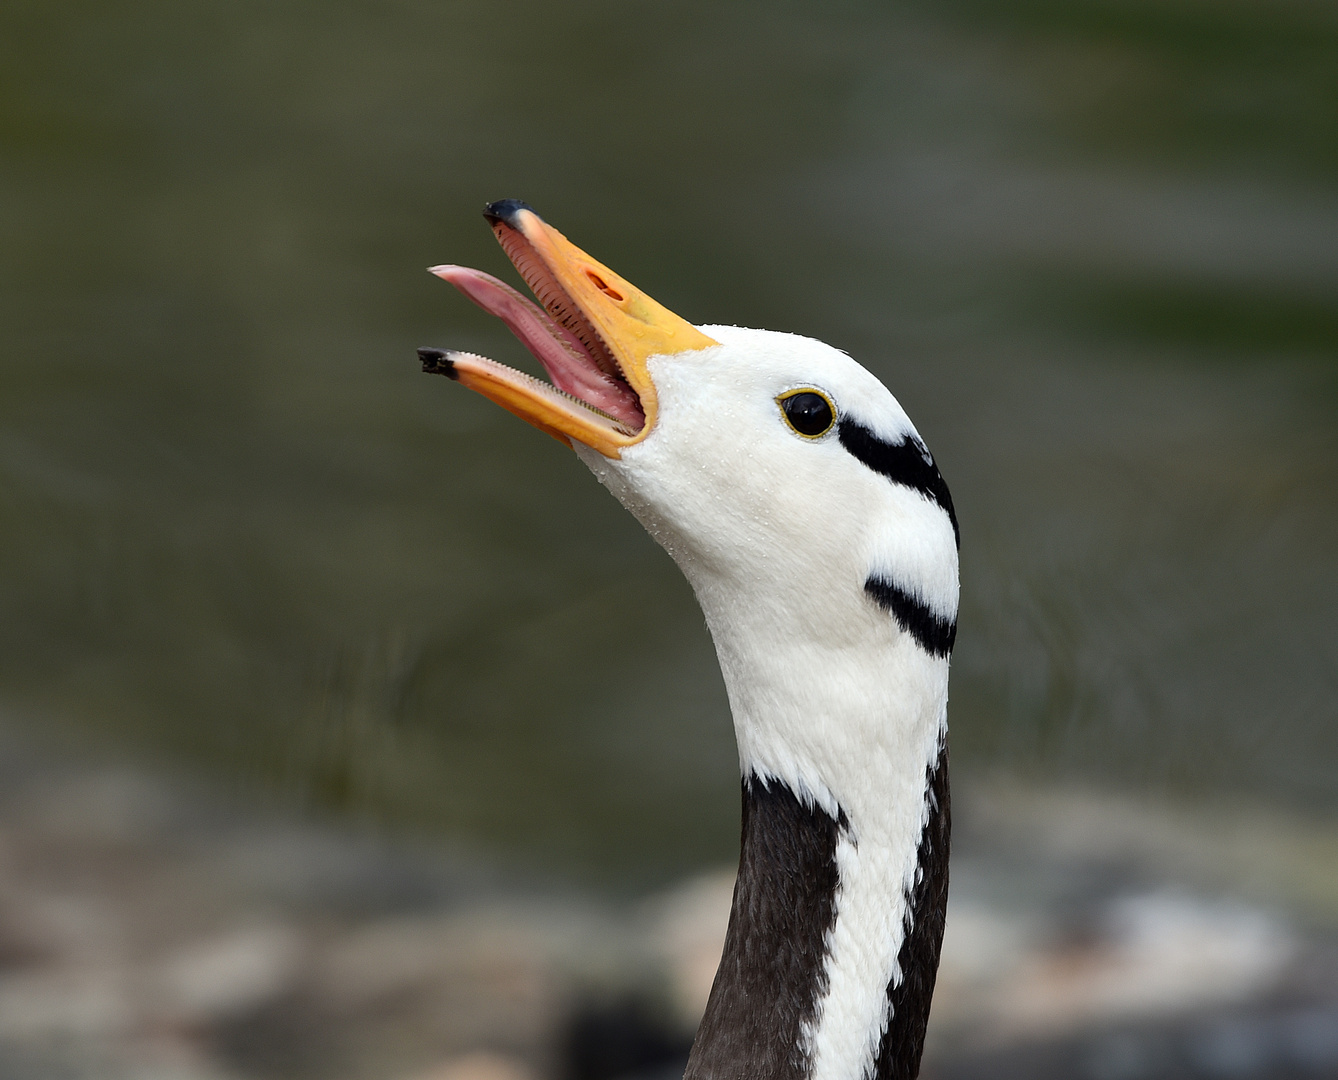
<point>553,345</point>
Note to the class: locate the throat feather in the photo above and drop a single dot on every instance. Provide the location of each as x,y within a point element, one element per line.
<point>912,988</point>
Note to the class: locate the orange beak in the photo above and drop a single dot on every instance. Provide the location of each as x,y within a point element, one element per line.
<point>595,335</point>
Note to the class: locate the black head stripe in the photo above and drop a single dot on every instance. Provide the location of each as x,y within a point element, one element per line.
<point>932,632</point>
<point>907,462</point>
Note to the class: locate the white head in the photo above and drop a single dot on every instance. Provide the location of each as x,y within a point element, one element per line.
<point>780,533</point>
<point>819,552</point>
<point>803,507</point>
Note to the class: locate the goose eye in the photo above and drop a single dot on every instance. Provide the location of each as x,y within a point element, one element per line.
<point>809,412</point>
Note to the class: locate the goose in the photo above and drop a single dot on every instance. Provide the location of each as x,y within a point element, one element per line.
<point>820,540</point>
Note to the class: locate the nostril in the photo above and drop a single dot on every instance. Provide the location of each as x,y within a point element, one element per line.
<point>603,286</point>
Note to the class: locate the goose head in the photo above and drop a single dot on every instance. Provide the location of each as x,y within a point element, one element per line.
<point>813,524</point>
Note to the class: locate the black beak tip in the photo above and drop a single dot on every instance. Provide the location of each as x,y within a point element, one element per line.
<point>437,362</point>
<point>504,211</point>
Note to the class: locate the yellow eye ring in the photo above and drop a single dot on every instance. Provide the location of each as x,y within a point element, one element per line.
<point>809,412</point>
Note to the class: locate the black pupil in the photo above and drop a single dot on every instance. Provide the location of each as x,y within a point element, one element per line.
<point>809,414</point>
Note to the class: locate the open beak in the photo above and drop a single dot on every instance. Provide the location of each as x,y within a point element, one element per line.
<point>593,335</point>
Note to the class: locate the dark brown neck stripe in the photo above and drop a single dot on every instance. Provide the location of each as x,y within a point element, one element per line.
<point>772,975</point>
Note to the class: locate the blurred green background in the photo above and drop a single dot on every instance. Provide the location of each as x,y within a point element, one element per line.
<point>1091,245</point>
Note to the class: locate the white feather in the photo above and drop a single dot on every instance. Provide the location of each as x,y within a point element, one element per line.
<point>777,534</point>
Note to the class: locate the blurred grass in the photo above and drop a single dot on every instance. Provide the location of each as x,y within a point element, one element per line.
<point>1191,83</point>
<point>239,528</point>
<point>1219,323</point>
